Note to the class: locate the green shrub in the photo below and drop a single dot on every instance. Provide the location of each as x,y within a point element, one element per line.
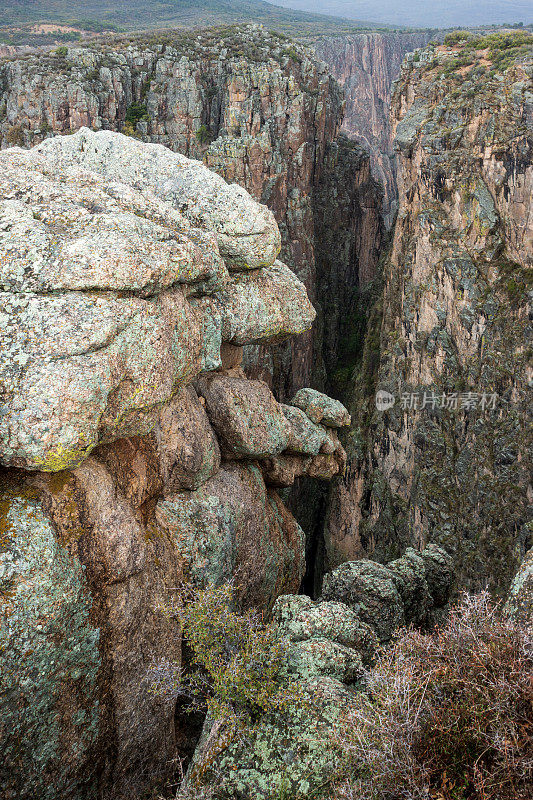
<point>134,113</point>
<point>15,136</point>
<point>456,36</point>
<point>203,135</point>
<point>447,716</point>
<point>61,52</point>
<point>237,665</point>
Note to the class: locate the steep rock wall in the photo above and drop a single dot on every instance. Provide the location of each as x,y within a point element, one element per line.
<point>366,65</point>
<point>456,311</point>
<point>135,453</point>
<point>258,109</point>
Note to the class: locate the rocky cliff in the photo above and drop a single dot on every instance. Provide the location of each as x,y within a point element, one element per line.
<point>448,456</point>
<point>135,452</point>
<point>260,111</point>
<point>366,65</point>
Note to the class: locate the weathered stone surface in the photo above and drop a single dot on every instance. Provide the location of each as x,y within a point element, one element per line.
<point>63,228</point>
<point>520,599</point>
<point>388,596</point>
<point>247,233</point>
<point>289,754</point>
<point>188,449</point>
<point>369,589</point>
<point>366,65</point>
<point>97,334</point>
<point>123,496</point>
<point>306,437</point>
<point>232,527</point>
<point>449,337</point>
<point>266,305</point>
<point>49,660</point>
<point>300,619</point>
<point>82,582</point>
<point>321,408</point>
<point>248,420</point>
<point>283,470</point>
<point>265,116</point>
<point>78,369</point>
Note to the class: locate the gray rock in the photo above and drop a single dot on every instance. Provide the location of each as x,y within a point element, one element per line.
<point>247,234</point>
<point>248,420</point>
<point>519,602</point>
<point>369,590</point>
<point>321,408</point>
<point>228,527</point>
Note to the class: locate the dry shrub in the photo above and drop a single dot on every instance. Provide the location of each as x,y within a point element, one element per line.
<point>447,716</point>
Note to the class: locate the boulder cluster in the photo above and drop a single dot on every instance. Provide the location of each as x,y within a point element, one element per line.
<point>135,452</point>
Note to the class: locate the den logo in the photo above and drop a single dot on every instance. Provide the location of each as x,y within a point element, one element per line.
<point>384,400</point>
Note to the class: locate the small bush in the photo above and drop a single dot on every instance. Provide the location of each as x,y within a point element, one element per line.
<point>15,136</point>
<point>447,716</point>
<point>456,36</point>
<point>134,113</point>
<point>61,52</point>
<point>237,659</point>
<point>203,135</point>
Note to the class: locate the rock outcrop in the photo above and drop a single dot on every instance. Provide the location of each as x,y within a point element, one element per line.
<point>328,645</point>
<point>262,112</point>
<point>136,453</point>
<point>447,457</point>
<point>366,65</point>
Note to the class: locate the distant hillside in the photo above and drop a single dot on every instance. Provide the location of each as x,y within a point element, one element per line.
<point>140,15</point>
<point>420,13</point>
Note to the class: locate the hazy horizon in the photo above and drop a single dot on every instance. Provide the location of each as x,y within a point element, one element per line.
<point>419,13</point>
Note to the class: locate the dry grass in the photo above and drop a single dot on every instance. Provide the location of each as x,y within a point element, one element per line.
<point>447,716</point>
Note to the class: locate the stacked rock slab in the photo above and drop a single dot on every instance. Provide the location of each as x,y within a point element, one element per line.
<point>135,453</point>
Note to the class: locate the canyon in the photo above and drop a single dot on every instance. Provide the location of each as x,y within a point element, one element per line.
<point>201,303</point>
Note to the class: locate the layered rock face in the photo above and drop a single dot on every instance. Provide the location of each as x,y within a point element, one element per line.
<point>449,462</point>
<point>260,111</point>
<point>136,454</point>
<point>366,65</point>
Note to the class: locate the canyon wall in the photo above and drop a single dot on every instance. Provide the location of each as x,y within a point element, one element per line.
<point>366,65</point>
<point>136,455</point>
<point>256,108</point>
<point>450,460</point>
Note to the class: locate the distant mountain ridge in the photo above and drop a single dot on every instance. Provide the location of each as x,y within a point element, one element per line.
<point>139,15</point>
<point>420,13</point>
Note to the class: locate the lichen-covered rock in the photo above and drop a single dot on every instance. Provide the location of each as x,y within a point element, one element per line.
<point>519,602</point>
<point>230,526</point>
<point>266,305</point>
<point>291,754</point>
<point>405,591</point>
<point>369,589</point>
<point>78,369</point>
<point>49,660</point>
<point>306,437</point>
<point>321,409</point>
<point>301,620</point>
<point>248,420</point>
<point>68,229</point>
<point>81,586</point>
<point>102,317</point>
<point>247,233</point>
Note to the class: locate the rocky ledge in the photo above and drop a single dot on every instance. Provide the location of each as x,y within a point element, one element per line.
<point>136,453</point>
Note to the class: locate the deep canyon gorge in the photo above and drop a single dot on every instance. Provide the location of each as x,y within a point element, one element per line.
<point>218,249</point>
